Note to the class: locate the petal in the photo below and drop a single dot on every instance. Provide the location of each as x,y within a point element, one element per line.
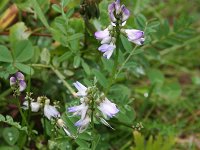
<point>22,85</point>
<point>125,13</point>
<point>138,41</point>
<point>79,86</point>
<point>104,47</point>
<point>134,34</point>
<point>111,7</point>
<point>100,35</point>
<point>106,40</point>
<point>51,111</point>
<point>35,106</point>
<point>112,17</point>
<point>12,81</point>
<point>108,54</point>
<point>19,76</point>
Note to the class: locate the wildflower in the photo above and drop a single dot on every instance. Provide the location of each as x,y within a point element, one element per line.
<point>35,106</point>
<point>81,89</point>
<point>79,110</point>
<point>18,81</point>
<point>107,49</point>
<point>50,111</point>
<point>108,108</point>
<point>118,14</point>
<point>135,36</point>
<point>82,124</point>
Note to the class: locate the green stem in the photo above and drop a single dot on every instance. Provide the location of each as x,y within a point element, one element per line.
<point>92,124</point>
<point>112,79</point>
<point>21,113</point>
<point>62,78</point>
<point>124,63</point>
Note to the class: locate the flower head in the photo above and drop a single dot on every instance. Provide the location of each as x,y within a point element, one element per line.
<point>50,111</point>
<point>135,36</point>
<point>18,81</point>
<point>108,108</point>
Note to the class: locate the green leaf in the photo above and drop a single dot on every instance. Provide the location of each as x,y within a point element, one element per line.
<point>126,44</point>
<point>155,76</point>
<point>65,56</point>
<point>25,68</point>
<point>100,77</point>
<point>86,67</point>
<point>39,12</point>
<point>75,37</point>
<point>2,118</point>
<point>77,61</point>
<point>18,32</point>
<point>10,135</point>
<point>22,51</point>
<point>140,21</point>
<point>5,54</point>
<point>45,56</point>
<point>56,8</point>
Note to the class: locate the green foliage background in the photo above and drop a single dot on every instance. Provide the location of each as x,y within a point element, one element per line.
<point>159,85</point>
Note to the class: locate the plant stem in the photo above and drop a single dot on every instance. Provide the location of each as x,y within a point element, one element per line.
<point>112,79</point>
<point>21,113</point>
<point>92,124</point>
<point>124,63</point>
<point>62,78</point>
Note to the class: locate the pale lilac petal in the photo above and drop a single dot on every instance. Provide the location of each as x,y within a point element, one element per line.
<point>138,41</point>
<point>81,89</point>
<point>100,35</point>
<point>12,81</point>
<point>108,54</point>
<point>19,76</point>
<point>22,85</point>
<point>104,47</point>
<point>82,124</point>
<point>134,34</point>
<point>117,7</point>
<point>106,40</point>
<point>125,13</point>
<point>111,7</point>
<point>112,17</point>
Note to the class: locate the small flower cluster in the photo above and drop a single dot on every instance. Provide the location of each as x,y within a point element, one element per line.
<point>118,16</point>
<point>18,83</point>
<point>91,103</point>
<point>49,111</point>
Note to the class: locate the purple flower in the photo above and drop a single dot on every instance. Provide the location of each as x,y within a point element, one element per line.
<point>18,80</point>
<point>79,110</point>
<point>107,49</point>
<point>81,89</point>
<point>108,108</point>
<point>135,36</point>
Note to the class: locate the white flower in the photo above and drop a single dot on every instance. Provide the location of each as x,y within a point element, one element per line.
<point>82,124</point>
<point>35,106</point>
<point>108,108</point>
<point>51,111</point>
<point>81,89</point>
<point>107,49</point>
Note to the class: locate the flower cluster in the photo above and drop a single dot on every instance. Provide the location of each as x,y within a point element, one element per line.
<point>18,83</point>
<point>118,16</point>
<point>49,111</point>
<point>91,103</point>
